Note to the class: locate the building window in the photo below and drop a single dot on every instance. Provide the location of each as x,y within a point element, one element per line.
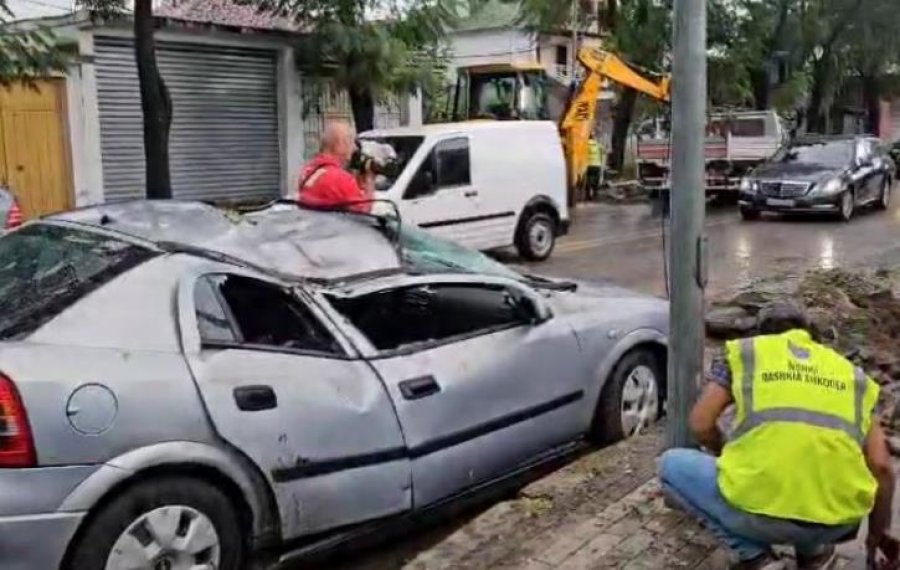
<point>562,55</point>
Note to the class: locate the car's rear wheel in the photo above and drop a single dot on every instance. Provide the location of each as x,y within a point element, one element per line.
<point>884,202</point>
<point>631,398</point>
<point>748,213</point>
<point>173,523</point>
<point>536,236</point>
<point>848,205</point>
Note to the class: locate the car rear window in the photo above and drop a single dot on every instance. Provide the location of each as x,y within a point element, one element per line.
<point>44,269</point>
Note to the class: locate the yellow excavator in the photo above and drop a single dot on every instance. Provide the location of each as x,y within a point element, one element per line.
<point>523,92</point>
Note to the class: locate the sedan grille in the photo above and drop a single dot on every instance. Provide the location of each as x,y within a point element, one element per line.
<point>784,189</point>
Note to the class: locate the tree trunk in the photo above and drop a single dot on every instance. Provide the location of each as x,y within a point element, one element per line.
<point>815,117</point>
<point>872,99</point>
<point>156,104</point>
<point>762,91</point>
<point>363,104</point>
<point>622,116</point>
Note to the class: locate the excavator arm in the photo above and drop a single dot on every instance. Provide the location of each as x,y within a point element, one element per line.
<point>579,118</point>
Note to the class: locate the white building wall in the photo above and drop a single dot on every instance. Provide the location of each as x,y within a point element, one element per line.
<point>492,46</point>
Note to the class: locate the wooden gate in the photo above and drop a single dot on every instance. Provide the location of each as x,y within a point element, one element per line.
<point>34,150</point>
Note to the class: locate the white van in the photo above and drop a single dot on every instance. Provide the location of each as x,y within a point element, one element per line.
<point>485,185</point>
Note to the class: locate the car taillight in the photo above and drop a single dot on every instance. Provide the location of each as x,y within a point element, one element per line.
<point>14,217</point>
<point>16,443</point>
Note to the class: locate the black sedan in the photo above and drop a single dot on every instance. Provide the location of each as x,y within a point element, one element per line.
<point>833,175</point>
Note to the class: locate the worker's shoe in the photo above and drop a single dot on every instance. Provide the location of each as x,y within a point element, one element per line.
<point>767,561</point>
<point>824,561</point>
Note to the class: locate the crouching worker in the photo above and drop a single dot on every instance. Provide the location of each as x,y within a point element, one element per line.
<point>806,461</point>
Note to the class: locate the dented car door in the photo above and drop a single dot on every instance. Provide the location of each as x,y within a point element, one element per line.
<point>282,387</point>
<point>480,388</point>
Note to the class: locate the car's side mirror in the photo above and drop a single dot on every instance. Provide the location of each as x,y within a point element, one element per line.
<point>531,309</point>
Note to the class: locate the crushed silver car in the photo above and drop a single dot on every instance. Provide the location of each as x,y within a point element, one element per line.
<point>182,387</point>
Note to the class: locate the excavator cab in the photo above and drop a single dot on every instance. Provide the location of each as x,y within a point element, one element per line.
<point>504,92</point>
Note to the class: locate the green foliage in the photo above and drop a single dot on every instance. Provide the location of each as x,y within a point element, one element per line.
<point>373,46</point>
<point>27,54</point>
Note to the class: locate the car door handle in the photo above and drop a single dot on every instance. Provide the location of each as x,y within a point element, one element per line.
<point>418,388</point>
<point>471,194</point>
<point>255,398</point>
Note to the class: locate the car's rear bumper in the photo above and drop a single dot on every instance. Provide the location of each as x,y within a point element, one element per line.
<point>803,204</point>
<point>28,542</point>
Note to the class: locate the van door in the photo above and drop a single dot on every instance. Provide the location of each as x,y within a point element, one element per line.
<point>441,196</point>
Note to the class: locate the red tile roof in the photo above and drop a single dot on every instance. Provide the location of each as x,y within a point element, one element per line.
<point>223,13</point>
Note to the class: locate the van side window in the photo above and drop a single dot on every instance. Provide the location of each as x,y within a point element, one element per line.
<point>453,165</point>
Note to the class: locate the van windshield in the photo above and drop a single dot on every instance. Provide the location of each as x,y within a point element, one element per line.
<point>405,147</point>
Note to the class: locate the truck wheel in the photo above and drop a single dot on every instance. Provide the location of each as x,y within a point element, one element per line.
<point>172,522</point>
<point>749,213</point>
<point>536,237</point>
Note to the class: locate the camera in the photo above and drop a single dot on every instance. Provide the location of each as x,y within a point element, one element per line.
<point>376,157</point>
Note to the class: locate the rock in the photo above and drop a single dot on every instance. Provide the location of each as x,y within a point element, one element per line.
<point>753,301</point>
<point>727,322</point>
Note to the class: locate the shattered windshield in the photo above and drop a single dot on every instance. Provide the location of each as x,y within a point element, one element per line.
<point>405,147</point>
<point>426,253</point>
<point>44,269</point>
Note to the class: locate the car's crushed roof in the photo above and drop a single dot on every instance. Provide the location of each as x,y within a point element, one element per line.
<point>283,239</point>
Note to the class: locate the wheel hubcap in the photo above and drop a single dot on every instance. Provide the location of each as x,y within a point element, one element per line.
<point>541,237</point>
<point>640,400</point>
<point>167,538</point>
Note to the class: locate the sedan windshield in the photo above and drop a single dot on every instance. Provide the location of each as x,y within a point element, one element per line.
<point>834,154</point>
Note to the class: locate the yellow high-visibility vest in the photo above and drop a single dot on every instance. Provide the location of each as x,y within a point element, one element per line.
<point>595,157</point>
<point>802,414</point>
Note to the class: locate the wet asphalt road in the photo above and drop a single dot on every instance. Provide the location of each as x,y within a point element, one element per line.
<point>624,244</point>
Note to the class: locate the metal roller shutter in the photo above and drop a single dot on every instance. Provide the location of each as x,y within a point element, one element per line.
<point>224,140</point>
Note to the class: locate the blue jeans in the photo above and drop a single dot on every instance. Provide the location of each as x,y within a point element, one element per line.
<point>689,479</point>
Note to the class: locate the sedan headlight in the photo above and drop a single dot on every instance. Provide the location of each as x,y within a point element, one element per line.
<point>830,187</point>
<point>749,186</point>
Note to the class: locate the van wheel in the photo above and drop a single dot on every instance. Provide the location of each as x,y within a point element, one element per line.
<point>536,237</point>
<point>884,201</point>
<point>174,522</point>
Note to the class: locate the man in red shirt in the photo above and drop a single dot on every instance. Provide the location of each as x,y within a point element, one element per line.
<point>325,182</point>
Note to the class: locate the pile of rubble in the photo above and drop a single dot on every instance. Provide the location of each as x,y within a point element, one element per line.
<point>857,313</point>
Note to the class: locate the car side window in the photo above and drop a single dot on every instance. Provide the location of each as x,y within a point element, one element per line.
<point>447,166</point>
<point>408,316</point>
<point>260,315</point>
<point>453,163</point>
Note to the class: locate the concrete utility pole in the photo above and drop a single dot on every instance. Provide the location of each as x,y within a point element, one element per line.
<point>687,250</point>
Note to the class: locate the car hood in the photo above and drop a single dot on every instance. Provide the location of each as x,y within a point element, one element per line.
<point>795,171</point>
<point>605,298</point>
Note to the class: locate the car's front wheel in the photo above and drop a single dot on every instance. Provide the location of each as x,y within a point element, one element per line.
<point>171,523</point>
<point>848,205</point>
<point>536,236</point>
<point>748,213</point>
<point>631,398</point>
<point>884,201</point>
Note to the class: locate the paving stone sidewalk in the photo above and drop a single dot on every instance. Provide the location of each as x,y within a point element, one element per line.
<point>602,511</point>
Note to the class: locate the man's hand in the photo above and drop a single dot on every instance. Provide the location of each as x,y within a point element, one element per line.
<point>883,552</point>
<point>878,458</point>
<point>705,414</point>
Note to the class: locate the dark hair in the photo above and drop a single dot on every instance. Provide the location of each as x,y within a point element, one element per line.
<point>779,318</point>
